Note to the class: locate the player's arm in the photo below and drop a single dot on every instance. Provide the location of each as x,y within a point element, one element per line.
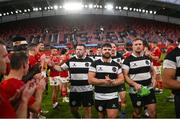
<point>61,67</point>
<point>130,81</point>
<point>153,74</point>
<point>169,72</point>
<point>94,81</point>
<point>169,79</point>
<point>119,80</point>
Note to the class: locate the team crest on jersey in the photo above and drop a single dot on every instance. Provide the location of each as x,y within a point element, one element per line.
<point>118,60</point>
<point>100,69</point>
<point>87,64</point>
<point>74,65</point>
<point>114,69</point>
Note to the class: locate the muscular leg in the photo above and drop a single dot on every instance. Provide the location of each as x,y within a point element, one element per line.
<point>87,112</point>
<point>112,113</point>
<point>75,113</point>
<point>54,94</point>
<point>137,112</point>
<point>151,108</point>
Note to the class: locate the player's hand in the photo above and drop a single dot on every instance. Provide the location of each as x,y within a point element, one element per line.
<point>108,80</point>
<point>137,87</point>
<point>28,91</point>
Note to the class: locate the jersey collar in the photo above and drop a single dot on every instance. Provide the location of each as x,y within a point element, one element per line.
<point>109,61</point>
<point>80,58</point>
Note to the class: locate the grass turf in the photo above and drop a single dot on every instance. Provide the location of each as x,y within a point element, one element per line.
<point>165,109</point>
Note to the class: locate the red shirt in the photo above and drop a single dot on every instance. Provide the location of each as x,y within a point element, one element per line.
<point>127,54</point>
<point>53,72</point>
<point>10,86</point>
<point>6,109</point>
<point>156,52</point>
<point>32,61</point>
<point>170,48</point>
<point>64,59</point>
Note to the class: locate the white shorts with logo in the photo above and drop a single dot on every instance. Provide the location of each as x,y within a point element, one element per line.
<point>157,69</point>
<point>54,81</point>
<point>64,79</point>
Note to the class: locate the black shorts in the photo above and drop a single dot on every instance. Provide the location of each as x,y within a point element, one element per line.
<point>84,98</point>
<point>102,105</point>
<point>177,105</point>
<point>142,101</point>
<point>121,87</point>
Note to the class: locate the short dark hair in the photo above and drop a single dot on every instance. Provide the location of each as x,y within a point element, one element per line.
<point>18,59</point>
<point>81,45</point>
<point>170,40</point>
<point>106,45</point>
<point>137,39</point>
<point>63,51</point>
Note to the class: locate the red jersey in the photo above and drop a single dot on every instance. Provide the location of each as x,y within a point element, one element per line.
<point>156,52</point>
<point>170,48</point>
<point>126,55</point>
<point>53,72</point>
<point>32,61</point>
<point>6,110</point>
<point>10,86</point>
<point>64,59</point>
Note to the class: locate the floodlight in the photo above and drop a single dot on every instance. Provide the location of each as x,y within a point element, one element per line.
<point>73,6</point>
<point>125,8</point>
<point>90,6</point>
<point>109,6</point>
<point>55,7</point>
<point>0,15</point>
<point>85,6</point>
<point>25,10</point>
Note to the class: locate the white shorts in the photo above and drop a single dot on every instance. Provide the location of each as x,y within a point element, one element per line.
<point>157,69</point>
<point>54,81</point>
<point>64,79</point>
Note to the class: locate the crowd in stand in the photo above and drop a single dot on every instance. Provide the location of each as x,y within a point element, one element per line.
<point>89,29</point>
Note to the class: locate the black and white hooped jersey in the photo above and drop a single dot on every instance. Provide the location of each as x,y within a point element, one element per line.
<point>118,58</point>
<point>97,57</point>
<point>172,60</point>
<point>78,69</point>
<point>102,69</point>
<point>139,69</point>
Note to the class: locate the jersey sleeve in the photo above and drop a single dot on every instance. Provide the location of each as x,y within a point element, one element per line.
<point>170,61</point>
<point>92,68</point>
